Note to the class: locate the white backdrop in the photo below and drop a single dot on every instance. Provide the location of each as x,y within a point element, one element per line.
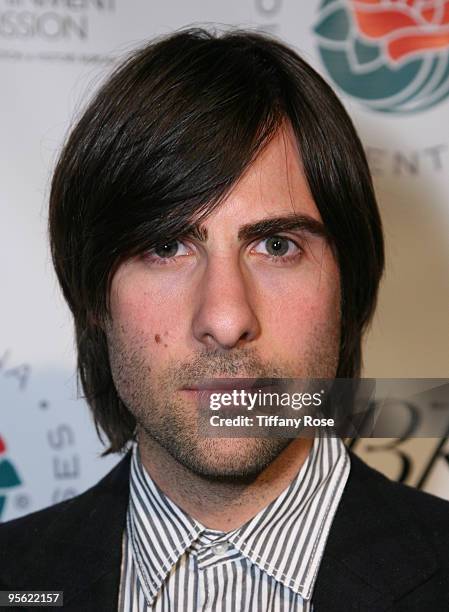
<point>53,53</point>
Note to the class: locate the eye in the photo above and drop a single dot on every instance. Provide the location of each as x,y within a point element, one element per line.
<point>165,251</point>
<point>278,247</point>
<point>168,249</point>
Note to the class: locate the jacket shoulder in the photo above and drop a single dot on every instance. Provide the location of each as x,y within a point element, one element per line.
<point>20,534</point>
<point>363,472</point>
<point>30,536</point>
<point>387,548</point>
<point>429,512</point>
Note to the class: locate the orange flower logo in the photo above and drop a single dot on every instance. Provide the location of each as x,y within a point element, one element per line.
<point>404,27</point>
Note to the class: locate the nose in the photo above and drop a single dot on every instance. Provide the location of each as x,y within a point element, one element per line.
<point>224,316</point>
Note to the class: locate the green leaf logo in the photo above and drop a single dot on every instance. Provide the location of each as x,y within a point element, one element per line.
<point>8,475</point>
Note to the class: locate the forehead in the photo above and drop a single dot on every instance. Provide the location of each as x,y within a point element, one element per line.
<point>273,185</point>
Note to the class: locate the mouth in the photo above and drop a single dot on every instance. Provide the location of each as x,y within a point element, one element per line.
<point>227,385</point>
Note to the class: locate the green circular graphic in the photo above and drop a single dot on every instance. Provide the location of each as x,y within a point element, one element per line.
<point>363,70</point>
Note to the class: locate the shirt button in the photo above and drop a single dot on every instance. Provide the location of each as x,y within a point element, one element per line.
<point>219,549</point>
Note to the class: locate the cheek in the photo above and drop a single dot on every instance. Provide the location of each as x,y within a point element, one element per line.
<point>302,319</point>
<point>302,311</point>
<point>149,317</point>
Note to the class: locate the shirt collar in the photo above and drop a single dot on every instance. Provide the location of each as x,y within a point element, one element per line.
<point>159,531</point>
<point>300,517</point>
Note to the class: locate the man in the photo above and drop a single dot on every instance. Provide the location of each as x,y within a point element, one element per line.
<point>212,216</point>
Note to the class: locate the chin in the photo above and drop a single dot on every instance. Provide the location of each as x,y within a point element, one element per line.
<point>233,459</point>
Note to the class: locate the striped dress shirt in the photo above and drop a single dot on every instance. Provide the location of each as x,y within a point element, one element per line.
<point>171,562</point>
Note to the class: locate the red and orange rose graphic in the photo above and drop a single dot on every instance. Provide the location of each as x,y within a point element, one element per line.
<point>404,27</point>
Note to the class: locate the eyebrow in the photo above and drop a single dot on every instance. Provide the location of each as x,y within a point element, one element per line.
<point>268,227</point>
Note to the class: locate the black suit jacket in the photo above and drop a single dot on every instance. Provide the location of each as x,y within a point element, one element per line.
<point>388,548</point>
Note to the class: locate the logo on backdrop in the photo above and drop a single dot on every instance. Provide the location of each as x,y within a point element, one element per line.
<point>49,19</point>
<point>391,55</point>
<point>45,466</point>
<point>8,476</point>
<point>55,30</point>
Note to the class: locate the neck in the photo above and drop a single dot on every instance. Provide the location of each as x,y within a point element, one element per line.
<point>222,505</point>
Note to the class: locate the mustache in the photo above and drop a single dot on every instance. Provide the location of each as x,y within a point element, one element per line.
<point>241,363</point>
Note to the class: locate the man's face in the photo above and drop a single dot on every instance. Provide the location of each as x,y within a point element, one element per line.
<point>231,301</point>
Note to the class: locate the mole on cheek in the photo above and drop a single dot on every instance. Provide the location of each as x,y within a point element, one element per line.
<point>157,338</point>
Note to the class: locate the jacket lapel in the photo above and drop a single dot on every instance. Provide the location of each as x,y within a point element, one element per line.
<point>91,528</point>
<point>375,552</point>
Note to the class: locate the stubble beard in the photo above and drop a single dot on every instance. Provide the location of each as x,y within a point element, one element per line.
<point>163,416</point>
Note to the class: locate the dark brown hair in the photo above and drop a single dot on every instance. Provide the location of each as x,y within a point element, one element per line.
<point>162,142</point>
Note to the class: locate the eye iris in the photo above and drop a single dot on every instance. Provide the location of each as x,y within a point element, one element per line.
<point>169,249</point>
<point>277,245</point>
